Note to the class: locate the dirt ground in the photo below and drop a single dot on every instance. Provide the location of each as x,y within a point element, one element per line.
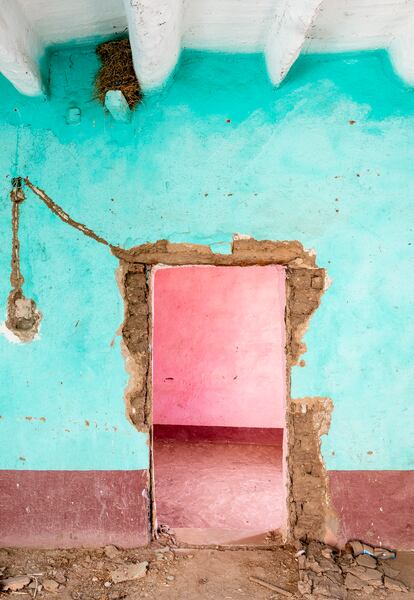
<point>172,573</point>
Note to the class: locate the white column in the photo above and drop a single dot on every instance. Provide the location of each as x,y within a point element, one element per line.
<point>291,22</point>
<point>401,52</point>
<point>155,37</point>
<point>20,49</point>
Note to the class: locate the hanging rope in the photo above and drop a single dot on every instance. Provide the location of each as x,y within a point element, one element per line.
<point>17,197</point>
<point>63,215</point>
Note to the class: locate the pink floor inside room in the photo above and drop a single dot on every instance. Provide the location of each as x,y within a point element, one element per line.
<point>218,402</point>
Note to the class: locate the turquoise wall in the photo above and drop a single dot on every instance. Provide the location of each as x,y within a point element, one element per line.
<point>288,165</point>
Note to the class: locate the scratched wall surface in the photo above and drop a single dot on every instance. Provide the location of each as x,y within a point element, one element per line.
<point>326,159</point>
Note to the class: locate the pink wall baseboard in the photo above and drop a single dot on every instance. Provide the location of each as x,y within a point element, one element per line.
<point>65,509</point>
<point>376,507</point>
<point>52,509</point>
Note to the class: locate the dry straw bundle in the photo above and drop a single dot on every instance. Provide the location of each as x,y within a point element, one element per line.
<point>117,72</point>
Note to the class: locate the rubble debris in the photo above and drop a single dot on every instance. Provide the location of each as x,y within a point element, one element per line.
<point>129,572</point>
<point>13,584</point>
<point>326,572</point>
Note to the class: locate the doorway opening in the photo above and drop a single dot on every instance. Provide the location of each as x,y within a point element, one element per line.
<point>309,513</point>
<point>219,402</point>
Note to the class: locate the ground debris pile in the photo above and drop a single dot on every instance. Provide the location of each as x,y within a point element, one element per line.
<point>325,572</point>
<point>117,72</point>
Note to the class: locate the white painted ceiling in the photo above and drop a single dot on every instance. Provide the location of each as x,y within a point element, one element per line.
<point>233,25</point>
<point>64,20</point>
<point>226,25</point>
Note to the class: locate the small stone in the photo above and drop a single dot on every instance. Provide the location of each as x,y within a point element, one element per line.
<point>129,572</point>
<point>13,584</point>
<point>395,585</point>
<point>364,560</point>
<point>50,585</point>
<point>107,584</point>
<point>59,575</point>
<point>111,552</point>
<point>94,579</point>
<point>170,577</point>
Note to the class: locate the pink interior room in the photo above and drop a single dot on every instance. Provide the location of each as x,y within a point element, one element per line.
<point>219,386</point>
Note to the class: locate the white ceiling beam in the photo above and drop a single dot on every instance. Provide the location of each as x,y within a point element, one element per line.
<point>291,22</point>
<point>155,30</point>
<point>401,51</point>
<point>20,49</point>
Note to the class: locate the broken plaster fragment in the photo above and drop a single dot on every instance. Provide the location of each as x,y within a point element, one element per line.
<point>23,318</point>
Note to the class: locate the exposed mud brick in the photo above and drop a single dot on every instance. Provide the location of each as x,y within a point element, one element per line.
<point>309,418</point>
<point>135,334</point>
<point>305,288</point>
<point>244,252</point>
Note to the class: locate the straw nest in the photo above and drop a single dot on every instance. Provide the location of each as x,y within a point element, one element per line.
<point>117,72</point>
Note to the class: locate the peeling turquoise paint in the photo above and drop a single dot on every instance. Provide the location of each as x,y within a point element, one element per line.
<point>217,152</point>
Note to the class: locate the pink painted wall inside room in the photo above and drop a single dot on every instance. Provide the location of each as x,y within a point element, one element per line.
<point>218,346</point>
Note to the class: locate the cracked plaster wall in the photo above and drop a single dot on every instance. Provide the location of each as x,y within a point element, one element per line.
<point>326,160</point>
